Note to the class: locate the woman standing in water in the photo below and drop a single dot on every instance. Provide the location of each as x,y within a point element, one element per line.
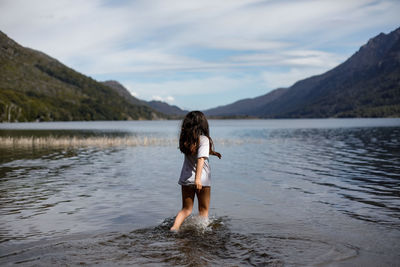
<point>195,142</point>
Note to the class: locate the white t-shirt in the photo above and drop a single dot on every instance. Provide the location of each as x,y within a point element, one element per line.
<point>188,172</point>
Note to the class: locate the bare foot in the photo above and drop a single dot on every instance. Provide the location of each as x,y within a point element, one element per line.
<point>175,230</point>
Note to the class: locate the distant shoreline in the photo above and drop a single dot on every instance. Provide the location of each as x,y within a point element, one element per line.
<point>211,118</point>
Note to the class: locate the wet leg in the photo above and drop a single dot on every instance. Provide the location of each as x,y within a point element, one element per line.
<point>188,193</point>
<point>203,197</point>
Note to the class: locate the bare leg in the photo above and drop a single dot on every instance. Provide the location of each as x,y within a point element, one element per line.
<point>203,197</point>
<point>187,206</point>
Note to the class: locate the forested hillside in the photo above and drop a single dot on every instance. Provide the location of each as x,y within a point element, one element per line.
<point>36,87</point>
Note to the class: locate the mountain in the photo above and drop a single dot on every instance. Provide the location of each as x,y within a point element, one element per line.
<point>246,106</point>
<point>123,92</point>
<point>36,87</point>
<point>159,106</point>
<point>166,108</point>
<point>365,85</point>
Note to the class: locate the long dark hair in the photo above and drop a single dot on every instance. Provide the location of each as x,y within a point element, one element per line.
<point>193,125</point>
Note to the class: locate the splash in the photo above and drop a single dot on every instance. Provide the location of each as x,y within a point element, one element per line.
<point>197,224</point>
<point>194,225</point>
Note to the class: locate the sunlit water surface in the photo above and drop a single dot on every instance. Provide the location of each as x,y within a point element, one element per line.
<point>285,193</point>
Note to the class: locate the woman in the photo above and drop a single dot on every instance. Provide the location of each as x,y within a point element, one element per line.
<point>195,142</point>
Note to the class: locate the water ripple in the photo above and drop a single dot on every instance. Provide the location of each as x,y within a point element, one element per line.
<point>194,245</point>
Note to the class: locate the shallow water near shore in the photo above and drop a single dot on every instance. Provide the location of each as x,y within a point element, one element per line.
<point>285,193</point>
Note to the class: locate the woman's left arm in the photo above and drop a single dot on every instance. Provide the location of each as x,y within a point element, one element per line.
<point>199,168</point>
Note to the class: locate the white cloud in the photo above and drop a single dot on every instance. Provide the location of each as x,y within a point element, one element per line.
<point>170,99</point>
<point>139,61</point>
<point>167,99</point>
<point>156,98</point>
<point>306,58</point>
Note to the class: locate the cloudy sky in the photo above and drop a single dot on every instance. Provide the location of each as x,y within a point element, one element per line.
<point>198,54</point>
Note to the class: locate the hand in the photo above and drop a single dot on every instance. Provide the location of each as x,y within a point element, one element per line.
<point>216,154</point>
<point>198,184</point>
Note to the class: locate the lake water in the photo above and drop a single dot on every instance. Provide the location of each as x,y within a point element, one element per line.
<point>285,193</point>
